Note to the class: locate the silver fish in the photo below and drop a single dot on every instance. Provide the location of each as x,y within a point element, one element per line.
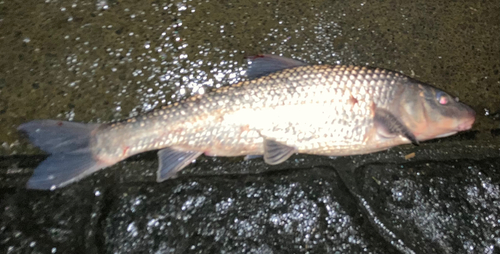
<point>285,107</point>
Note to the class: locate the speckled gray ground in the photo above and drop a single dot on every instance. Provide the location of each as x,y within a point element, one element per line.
<point>97,61</point>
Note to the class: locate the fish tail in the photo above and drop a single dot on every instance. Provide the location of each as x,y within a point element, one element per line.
<point>71,158</point>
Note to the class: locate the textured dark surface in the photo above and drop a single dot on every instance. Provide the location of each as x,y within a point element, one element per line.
<point>95,61</point>
<point>443,201</point>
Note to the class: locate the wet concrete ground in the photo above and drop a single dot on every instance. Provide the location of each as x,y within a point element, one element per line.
<point>98,61</point>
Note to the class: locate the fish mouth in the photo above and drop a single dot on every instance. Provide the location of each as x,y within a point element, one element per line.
<point>465,124</point>
<point>468,122</point>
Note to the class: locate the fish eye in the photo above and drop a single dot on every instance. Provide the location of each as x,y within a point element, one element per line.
<point>442,98</point>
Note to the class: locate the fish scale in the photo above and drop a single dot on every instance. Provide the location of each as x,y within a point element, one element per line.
<point>285,107</point>
<point>277,106</point>
<point>328,91</point>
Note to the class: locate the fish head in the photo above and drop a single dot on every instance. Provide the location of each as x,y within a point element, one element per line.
<point>431,113</point>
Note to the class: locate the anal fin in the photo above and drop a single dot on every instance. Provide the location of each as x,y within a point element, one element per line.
<point>390,126</point>
<point>172,161</point>
<point>276,153</point>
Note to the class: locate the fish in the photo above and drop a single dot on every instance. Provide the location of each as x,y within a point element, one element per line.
<point>285,107</point>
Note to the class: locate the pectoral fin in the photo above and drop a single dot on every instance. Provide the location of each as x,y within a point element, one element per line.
<point>390,126</point>
<point>172,161</point>
<point>276,153</point>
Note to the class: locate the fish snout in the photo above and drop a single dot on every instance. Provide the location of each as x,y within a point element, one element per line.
<point>465,125</point>
<point>468,120</point>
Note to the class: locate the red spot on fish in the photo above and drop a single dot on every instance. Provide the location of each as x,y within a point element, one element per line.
<point>59,123</point>
<point>373,107</point>
<point>125,150</point>
<point>353,101</point>
<point>245,128</point>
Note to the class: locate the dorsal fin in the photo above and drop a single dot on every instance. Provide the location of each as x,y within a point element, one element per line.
<point>262,65</point>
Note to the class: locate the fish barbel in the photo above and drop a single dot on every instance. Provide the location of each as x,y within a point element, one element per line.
<point>285,107</point>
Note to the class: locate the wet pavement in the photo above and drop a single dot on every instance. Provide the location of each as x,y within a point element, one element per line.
<point>98,61</point>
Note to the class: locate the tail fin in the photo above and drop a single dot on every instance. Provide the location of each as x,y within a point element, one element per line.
<point>69,144</point>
